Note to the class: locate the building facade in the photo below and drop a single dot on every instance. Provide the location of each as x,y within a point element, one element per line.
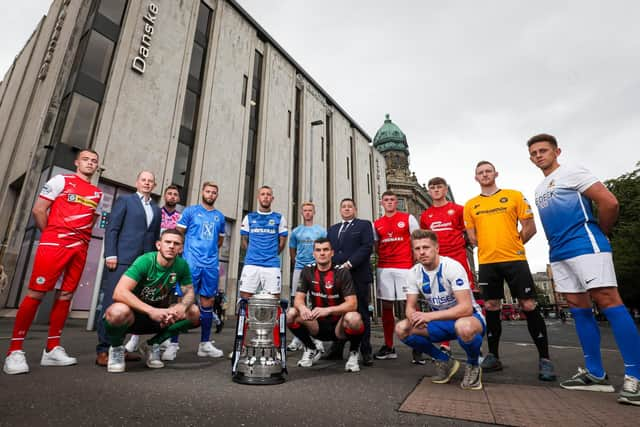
<point>194,91</point>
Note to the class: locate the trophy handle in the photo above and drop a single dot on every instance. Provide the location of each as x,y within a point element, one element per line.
<point>237,344</point>
<point>283,334</point>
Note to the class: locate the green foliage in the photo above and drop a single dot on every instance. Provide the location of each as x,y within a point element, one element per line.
<point>625,239</point>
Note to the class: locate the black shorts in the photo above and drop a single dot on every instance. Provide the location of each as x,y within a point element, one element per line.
<point>143,325</point>
<point>491,278</point>
<point>327,330</point>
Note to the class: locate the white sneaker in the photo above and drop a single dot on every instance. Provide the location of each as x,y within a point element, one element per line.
<point>319,345</point>
<point>152,354</point>
<point>295,344</point>
<point>116,359</point>
<point>132,345</point>
<point>309,357</point>
<point>15,363</point>
<point>207,349</point>
<point>352,364</point>
<point>164,344</point>
<point>57,357</point>
<point>170,351</point>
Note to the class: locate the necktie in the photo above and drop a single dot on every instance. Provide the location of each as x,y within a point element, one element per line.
<point>343,228</point>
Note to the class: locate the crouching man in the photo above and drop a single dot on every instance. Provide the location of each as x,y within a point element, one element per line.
<point>454,313</point>
<point>142,302</point>
<point>333,315</point>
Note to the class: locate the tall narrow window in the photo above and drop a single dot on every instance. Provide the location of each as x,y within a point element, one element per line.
<point>252,143</point>
<point>352,168</point>
<point>189,122</point>
<point>245,84</point>
<point>329,192</point>
<point>295,196</point>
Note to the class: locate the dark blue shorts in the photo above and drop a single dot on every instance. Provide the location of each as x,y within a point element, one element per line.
<point>445,330</point>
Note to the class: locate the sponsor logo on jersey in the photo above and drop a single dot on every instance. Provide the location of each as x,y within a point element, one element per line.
<point>491,211</point>
<point>459,282</point>
<point>71,197</point>
<point>328,285</point>
<point>401,224</point>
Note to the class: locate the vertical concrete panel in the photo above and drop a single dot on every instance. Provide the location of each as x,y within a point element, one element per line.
<point>362,173</point>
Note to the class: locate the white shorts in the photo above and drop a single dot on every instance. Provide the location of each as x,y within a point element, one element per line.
<point>391,283</point>
<point>266,278</point>
<point>584,272</point>
<point>295,280</point>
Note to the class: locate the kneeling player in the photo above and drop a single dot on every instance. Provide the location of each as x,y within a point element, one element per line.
<point>334,308</point>
<point>142,302</point>
<point>454,313</point>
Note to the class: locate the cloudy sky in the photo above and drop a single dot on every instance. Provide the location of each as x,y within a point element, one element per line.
<point>465,80</point>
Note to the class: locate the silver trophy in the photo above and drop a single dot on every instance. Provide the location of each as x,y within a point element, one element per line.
<point>256,359</point>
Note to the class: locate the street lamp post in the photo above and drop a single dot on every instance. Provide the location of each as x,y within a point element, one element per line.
<point>313,124</point>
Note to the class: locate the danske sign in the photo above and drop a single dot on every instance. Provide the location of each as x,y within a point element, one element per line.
<point>139,63</point>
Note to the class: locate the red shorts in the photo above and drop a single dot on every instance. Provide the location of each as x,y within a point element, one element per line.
<point>53,261</point>
<point>461,257</point>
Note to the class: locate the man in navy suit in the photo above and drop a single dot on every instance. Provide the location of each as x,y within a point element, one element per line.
<point>132,230</point>
<point>352,242</point>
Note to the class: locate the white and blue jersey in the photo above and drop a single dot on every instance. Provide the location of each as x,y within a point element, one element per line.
<point>264,230</point>
<point>438,286</point>
<point>567,216</point>
<point>302,238</point>
<point>203,228</point>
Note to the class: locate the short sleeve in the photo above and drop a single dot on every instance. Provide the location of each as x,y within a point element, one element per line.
<point>140,267</point>
<point>244,228</point>
<point>303,285</point>
<point>347,286</point>
<point>223,225</point>
<point>457,276</point>
<point>580,179</point>
<point>411,287</point>
<point>185,219</point>
<point>53,188</point>
<point>283,229</point>
<point>413,224</point>
<point>184,274</point>
<point>293,240</point>
<point>524,208</point>
<point>467,215</point>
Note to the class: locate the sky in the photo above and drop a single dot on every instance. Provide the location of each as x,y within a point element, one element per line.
<point>465,80</point>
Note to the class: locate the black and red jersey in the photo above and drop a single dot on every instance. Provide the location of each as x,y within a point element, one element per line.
<point>326,288</point>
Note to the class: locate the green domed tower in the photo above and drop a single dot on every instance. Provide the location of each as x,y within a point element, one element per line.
<point>391,142</point>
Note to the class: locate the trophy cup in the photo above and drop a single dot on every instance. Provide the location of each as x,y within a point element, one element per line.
<point>256,360</point>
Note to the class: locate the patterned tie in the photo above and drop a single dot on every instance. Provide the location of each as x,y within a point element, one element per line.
<point>343,228</point>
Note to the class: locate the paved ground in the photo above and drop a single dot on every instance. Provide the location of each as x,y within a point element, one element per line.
<point>193,391</point>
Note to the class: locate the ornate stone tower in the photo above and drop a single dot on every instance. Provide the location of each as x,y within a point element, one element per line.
<point>391,142</point>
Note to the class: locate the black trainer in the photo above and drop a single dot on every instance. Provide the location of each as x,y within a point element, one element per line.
<point>386,353</point>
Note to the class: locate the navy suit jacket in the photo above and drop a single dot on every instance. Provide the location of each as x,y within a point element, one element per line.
<point>127,235</point>
<point>355,245</point>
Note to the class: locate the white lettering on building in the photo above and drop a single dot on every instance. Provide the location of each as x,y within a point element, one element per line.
<point>139,63</point>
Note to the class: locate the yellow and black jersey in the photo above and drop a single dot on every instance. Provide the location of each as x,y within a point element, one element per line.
<point>495,220</point>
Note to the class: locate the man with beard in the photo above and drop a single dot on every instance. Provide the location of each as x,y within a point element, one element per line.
<point>203,226</point>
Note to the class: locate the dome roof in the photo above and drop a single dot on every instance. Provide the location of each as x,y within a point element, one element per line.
<point>390,138</point>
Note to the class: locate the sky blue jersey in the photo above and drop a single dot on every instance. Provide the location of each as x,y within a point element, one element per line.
<point>567,216</point>
<point>302,238</point>
<point>203,227</point>
<point>264,230</point>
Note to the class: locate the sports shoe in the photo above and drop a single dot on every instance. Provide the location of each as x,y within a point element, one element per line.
<point>491,363</point>
<point>472,378</point>
<point>171,351</point>
<point>164,344</point>
<point>132,345</point>
<point>207,349</point>
<point>319,345</point>
<point>116,361</point>
<point>445,370</point>
<point>16,363</point>
<point>295,344</point>
<point>630,393</point>
<point>309,357</point>
<point>352,363</point>
<point>152,354</point>
<point>583,380</point>
<point>545,370</point>
<point>417,358</point>
<point>57,357</point>
<point>386,353</point>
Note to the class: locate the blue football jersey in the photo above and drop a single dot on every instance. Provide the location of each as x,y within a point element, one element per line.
<point>264,231</point>
<point>567,216</point>
<point>302,238</point>
<point>203,227</point>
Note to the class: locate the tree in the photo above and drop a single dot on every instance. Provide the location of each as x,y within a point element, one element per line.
<point>625,238</point>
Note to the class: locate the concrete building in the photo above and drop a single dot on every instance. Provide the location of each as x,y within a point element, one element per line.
<point>192,90</point>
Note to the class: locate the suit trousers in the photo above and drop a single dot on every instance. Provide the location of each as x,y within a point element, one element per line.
<point>109,281</point>
<point>362,292</point>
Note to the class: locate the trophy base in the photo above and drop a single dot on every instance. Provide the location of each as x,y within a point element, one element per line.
<point>241,378</point>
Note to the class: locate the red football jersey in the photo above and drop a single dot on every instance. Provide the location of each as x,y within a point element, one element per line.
<point>71,215</point>
<point>448,223</point>
<point>394,240</point>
